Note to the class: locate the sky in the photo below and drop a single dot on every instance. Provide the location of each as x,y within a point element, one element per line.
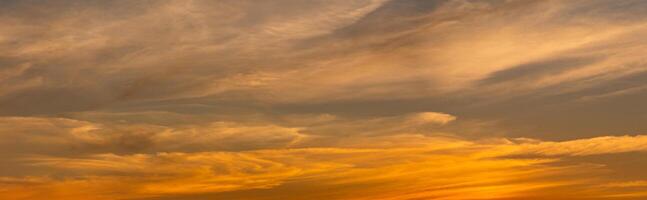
<point>323,100</point>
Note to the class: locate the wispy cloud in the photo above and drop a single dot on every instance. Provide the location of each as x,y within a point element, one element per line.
<point>334,99</point>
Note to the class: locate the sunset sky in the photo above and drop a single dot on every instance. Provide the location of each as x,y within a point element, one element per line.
<point>323,100</point>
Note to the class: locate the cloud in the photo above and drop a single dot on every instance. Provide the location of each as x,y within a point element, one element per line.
<point>334,99</point>
<point>73,137</point>
<point>162,174</point>
<point>240,160</point>
<point>34,135</point>
<point>449,169</point>
<point>590,146</point>
<point>432,117</point>
<point>628,184</point>
<point>314,52</point>
<point>91,48</point>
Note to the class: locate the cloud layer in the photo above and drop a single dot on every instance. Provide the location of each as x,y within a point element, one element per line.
<point>341,99</point>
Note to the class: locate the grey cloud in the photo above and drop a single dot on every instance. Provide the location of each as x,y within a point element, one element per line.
<point>543,68</point>
<point>114,56</point>
<point>176,63</point>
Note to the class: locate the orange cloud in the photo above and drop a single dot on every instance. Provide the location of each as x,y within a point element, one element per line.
<point>457,170</point>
